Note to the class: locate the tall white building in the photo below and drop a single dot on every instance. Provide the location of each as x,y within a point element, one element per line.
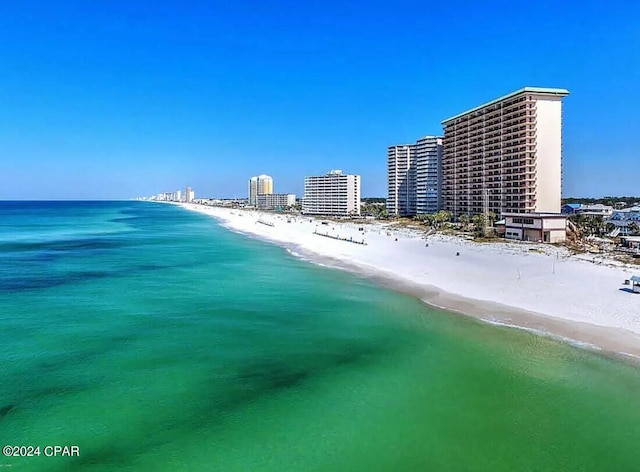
<point>428,151</point>
<point>332,194</point>
<point>401,172</point>
<point>168,196</point>
<point>414,177</point>
<point>189,195</point>
<point>505,156</point>
<point>259,185</point>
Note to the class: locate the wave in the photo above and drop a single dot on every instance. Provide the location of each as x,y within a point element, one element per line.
<point>544,333</point>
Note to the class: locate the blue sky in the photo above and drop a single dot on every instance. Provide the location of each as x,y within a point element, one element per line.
<point>124,98</point>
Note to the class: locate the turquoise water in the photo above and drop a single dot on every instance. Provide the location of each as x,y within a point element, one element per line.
<point>153,339</point>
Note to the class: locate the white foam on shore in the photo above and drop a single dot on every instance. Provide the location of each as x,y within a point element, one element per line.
<point>536,331</point>
<point>543,333</point>
<point>632,356</point>
<point>295,254</point>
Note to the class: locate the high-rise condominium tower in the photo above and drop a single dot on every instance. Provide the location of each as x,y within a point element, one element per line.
<point>428,174</point>
<point>335,194</point>
<point>260,185</point>
<point>189,195</point>
<point>506,155</point>
<point>414,177</point>
<point>401,173</point>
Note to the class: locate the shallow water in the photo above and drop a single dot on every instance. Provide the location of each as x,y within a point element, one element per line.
<point>154,339</point>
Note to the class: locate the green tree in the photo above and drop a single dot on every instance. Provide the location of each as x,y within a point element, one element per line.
<point>597,225</point>
<point>427,219</point>
<point>377,210</point>
<point>580,222</point>
<point>589,225</point>
<point>609,227</point>
<point>464,221</point>
<point>479,222</point>
<point>441,218</point>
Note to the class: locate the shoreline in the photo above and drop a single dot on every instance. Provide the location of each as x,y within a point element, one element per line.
<point>368,261</point>
<point>612,342</point>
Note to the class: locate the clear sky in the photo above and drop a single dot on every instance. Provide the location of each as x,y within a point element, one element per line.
<point>124,98</point>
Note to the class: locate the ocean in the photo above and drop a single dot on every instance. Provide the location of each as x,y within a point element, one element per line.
<point>153,339</point>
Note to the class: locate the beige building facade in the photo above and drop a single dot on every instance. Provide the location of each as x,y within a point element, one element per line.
<point>259,185</point>
<point>506,155</point>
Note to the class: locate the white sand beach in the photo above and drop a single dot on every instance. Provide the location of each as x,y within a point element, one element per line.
<point>533,286</point>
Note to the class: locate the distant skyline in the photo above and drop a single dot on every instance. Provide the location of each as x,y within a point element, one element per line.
<point>100,102</point>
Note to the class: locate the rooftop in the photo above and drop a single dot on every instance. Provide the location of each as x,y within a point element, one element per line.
<point>633,209</point>
<point>534,215</point>
<point>539,90</point>
<point>598,206</point>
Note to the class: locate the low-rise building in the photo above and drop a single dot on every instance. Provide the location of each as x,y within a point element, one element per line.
<point>275,201</point>
<point>631,242</point>
<point>537,227</point>
<point>598,209</point>
<point>625,221</point>
<point>570,208</point>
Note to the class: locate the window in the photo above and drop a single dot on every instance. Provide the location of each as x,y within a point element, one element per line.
<point>523,221</point>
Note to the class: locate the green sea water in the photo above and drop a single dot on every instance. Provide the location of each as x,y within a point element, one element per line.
<point>156,340</point>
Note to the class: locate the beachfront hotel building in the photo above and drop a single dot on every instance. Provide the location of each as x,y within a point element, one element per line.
<point>332,194</point>
<point>259,185</point>
<point>505,156</point>
<point>275,201</point>
<point>414,173</point>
